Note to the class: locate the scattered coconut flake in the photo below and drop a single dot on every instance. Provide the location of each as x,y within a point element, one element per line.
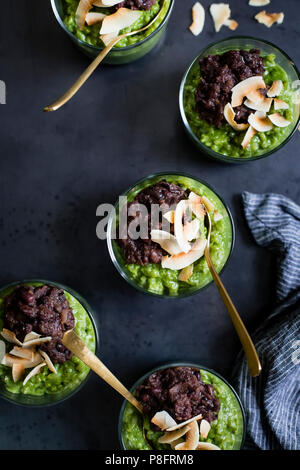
<point>34,372</point>
<point>178,226</point>
<point>260,122</point>
<point>163,420</point>
<point>249,88</point>
<point>170,216</point>
<point>278,120</point>
<point>83,8</point>
<point>93,18</point>
<point>186,273</point>
<point>276,89</point>
<point>191,230</point>
<point>182,260</point>
<point>192,438</point>
<point>196,205</point>
<point>204,428</point>
<point>10,337</point>
<point>22,352</point>
<point>263,105</point>
<point>166,240</point>
<point>2,350</point>
<point>172,436</point>
<point>184,423</point>
<point>30,336</point>
<point>207,446</point>
<point>268,19</point>
<point>220,13</point>
<point>37,341</point>
<point>108,38</point>
<point>232,24</point>
<point>198,14</point>
<point>48,361</point>
<point>17,372</point>
<point>248,137</point>
<point>229,115</point>
<point>9,360</point>
<point>217,216</point>
<point>280,104</point>
<point>259,3</point>
<point>122,18</point>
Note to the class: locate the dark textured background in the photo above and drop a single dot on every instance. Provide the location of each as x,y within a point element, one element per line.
<point>55,169</point>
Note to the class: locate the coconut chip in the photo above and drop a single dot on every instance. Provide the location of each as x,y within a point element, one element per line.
<point>48,361</point>
<point>182,260</point>
<point>34,372</point>
<point>10,337</point>
<point>276,89</point>
<point>186,273</point>
<point>105,3</point>
<point>23,353</point>
<point>248,88</point>
<point>191,230</point>
<point>248,137</point>
<point>263,105</point>
<point>83,8</point>
<point>268,19</point>
<point>17,372</point>
<point>163,420</point>
<point>196,205</point>
<point>108,38</point>
<point>204,428</point>
<point>37,341</point>
<point>93,18</point>
<point>122,18</point>
<point>232,24</point>
<point>207,446</point>
<point>172,436</point>
<point>192,438</point>
<point>220,13</point>
<point>280,104</point>
<point>166,240</point>
<point>229,115</point>
<point>278,120</point>
<point>184,423</point>
<point>198,14</point>
<point>260,121</point>
<point>259,3</point>
<point>178,227</point>
<point>30,336</point>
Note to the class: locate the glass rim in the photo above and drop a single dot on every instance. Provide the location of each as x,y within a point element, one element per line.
<point>120,268</point>
<point>207,150</point>
<point>88,310</point>
<point>99,49</point>
<point>180,364</point>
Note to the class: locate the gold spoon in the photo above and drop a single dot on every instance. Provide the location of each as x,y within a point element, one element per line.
<point>92,67</point>
<point>249,348</point>
<point>72,342</point>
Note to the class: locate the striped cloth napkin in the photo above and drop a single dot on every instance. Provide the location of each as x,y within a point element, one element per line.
<point>272,400</point>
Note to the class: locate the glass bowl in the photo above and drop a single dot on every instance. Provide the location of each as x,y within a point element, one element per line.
<point>116,56</point>
<point>116,253</point>
<point>219,47</point>
<point>55,398</point>
<point>240,438</point>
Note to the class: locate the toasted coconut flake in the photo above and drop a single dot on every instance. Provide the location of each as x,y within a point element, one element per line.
<point>37,341</point>
<point>163,420</point>
<point>186,273</point>
<point>30,336</point>
<point>23,353</point>
<point>191,230</point>
<point>93,18</point>
<point>196,205</point>
<point>220,13</point>
<point>204,428</point>
<point>217,216</point>
<point>107,38</point>
<point>280,104</point>
<point>263,105</point>
<point>48,361</point>
<point>170,216</point>
<point>2,350</point>
<point>232,24</point>
<point>178,226</point>
<point>268,19</point>
<point>229,115</point>
<point>184,423</point>
<point>123,18</point>
<point>276,89</point>
<point>249,88</point>
<point>192,438</point>
<point>260,122</point>
<point>166,240</point>
<point>172,436</point>
<point>10,337</point>
<point>207,446</point>
<point>259,3</point>
<point>178,262</point>
<point>198,14</point>
<point>9,360</point>
<point>278,120</point>
<point>208,204</point>
<point>34,372</point>
<point>105,3</point>
<point>83,8</point>
<point>17,372</point>
<point>248,137</point>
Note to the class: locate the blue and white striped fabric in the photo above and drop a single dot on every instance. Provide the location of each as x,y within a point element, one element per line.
<point>272,401</point>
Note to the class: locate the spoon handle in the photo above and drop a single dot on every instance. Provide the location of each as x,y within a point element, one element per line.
<point>249,348</point>
<point>78,347</point>
<point>83,77</point>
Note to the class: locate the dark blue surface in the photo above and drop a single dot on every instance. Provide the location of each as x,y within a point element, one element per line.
<point>55,169</point>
